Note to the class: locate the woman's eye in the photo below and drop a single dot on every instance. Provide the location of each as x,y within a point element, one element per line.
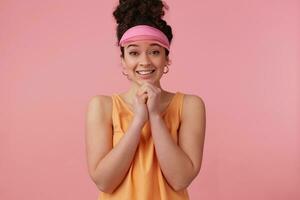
<point>133,53</point>
<point>155,52</point>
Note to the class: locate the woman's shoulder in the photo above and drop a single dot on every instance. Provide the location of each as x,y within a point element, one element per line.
<point>100,103</point>
<point>192,102</point>
<point>100,99</point>
<point>192,98</point>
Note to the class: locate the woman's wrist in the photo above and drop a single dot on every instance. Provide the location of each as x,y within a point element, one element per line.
<point>137,122</point>
<point>154,116</point>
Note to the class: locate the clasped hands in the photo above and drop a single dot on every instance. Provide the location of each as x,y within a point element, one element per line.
<point>147,101</point>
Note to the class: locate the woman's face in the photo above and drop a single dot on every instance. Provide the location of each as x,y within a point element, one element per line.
<point>144,61</point>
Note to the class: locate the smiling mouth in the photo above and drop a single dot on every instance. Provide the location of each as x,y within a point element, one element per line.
<point>145,72</point>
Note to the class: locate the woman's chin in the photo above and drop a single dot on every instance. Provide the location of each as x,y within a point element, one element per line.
<point>142,81</point>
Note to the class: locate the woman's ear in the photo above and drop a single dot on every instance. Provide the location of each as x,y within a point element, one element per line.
<point>168,61</point>
<point>123,62</point>
<point>123,65</point>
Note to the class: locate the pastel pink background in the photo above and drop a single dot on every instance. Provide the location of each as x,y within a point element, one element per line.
<point>241,57</point>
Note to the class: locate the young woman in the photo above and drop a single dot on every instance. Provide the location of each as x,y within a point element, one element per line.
<point>145,143</point>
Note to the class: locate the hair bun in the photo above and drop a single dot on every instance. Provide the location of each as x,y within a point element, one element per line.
<point>129,11</point>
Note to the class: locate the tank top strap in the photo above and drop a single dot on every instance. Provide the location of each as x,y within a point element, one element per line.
<point>178,104</point>
<point>116,109</point>
<point>115,116</point>
<point>115,103</point>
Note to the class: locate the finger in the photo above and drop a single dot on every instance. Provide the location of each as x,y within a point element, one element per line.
<point>153,87</point>
<point>151,93</point>
<point>137,98</point>
<point>141,96</point>
<point>144,98</point>
<point>149,88</point>
<point>142,90</point>
<point>152,90</point>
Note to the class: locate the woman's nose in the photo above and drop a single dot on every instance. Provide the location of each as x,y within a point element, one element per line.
<point>144,59</point>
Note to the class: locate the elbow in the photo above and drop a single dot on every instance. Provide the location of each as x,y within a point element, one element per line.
<point>102,186</point>
<point>105,189</point>
<point>183,184</point>
<point>178,188</point>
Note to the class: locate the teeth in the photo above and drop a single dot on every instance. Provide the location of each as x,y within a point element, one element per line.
<point>144,72</point>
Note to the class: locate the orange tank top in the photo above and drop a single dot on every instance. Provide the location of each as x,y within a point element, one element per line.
<point>145,180</point>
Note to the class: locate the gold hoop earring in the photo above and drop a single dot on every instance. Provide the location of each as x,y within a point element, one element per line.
<point>126,75</point>
<point>167,69</point>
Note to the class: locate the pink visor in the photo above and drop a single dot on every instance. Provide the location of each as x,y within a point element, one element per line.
<point>144,32</point>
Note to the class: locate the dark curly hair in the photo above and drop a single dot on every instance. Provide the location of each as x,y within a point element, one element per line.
<point>130,13</point>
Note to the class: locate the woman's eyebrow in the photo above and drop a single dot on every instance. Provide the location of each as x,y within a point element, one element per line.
<point>132,45</point>
<point>154,44</point>
<point>135,45</point>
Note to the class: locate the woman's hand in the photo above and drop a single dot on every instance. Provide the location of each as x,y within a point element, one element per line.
<point>140,107</point>
<point>154,95</point>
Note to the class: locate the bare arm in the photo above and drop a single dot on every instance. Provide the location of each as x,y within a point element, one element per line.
<point>107,165</point>
<point>181,164</point>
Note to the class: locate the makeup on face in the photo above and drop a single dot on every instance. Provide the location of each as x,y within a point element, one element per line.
<point>145,60</point>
